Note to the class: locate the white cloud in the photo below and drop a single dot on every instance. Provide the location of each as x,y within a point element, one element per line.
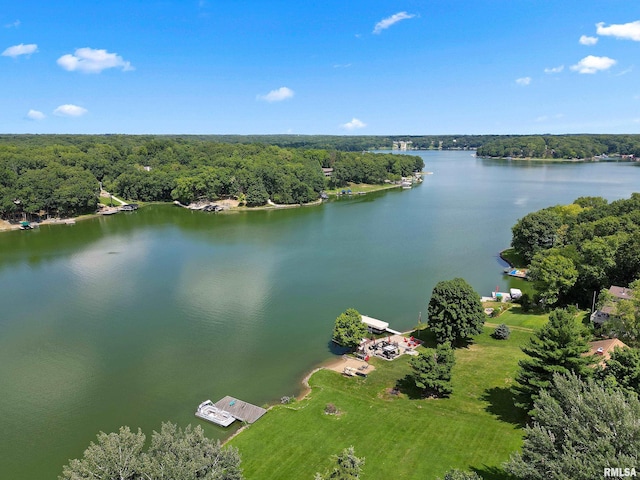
<point>69,110</point>
<point>89,60</point>
<point>35,115</point>
<point>524,81</point>
<point>587,40</point>
<point>282,93</point>
<point>353,124</point>
<point>624,72</point>
<point>342,65</point>
<point>554,69</point>
<point>393,19</point>
<point>592,64</point>
<point>21,49</point>
<point>15,24</point>
<point>626,31</point>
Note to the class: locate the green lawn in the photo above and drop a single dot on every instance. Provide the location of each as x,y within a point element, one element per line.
<point>401,436</point>
<point>361,187</point>
<point>516,318</point>
<point>514,258</point>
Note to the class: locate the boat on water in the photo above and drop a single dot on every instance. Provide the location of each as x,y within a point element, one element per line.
<point>208,411</point>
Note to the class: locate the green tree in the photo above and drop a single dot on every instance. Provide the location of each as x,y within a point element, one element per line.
<point>174,454</point>
<point>558,347</point>
<point>622,370</point>
<point>116,456</point>
<point>535,232</point>
<point>346,466</point>
<point>349,330</point>
<point>256,193</point>
<point>431,370</point>
<point>456,474</point>
<point>455,311</point>
<point>502,332</point>
<point>177,454</point>
<point>625,322</point>
<point>553,275</point>
<point>579,427</point>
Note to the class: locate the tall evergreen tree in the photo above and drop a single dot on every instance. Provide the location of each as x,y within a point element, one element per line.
<point>579,428</point>
<point>558,347</point>
<point>432,370</point>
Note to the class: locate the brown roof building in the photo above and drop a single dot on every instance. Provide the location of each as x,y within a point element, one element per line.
<point>604,348</point>
<point>622,293</point>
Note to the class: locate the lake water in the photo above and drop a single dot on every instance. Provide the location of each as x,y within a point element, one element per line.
<point>136,318</point>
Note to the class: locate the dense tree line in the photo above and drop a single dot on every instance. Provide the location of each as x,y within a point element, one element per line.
<point>580,248</point>
<point>60,175</point>
<point>344,143</point>
<point>561,146</point>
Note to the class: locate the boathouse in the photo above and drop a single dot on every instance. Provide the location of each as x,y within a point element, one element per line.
<point>374,325</point>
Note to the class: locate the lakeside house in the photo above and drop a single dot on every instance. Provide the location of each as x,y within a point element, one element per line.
<point>604,348</point>
<point>607,311</point>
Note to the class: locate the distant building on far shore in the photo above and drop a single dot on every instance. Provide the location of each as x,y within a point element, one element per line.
<point>402,146</point>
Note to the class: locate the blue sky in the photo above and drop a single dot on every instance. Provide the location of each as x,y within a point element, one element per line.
<point>350,67</point>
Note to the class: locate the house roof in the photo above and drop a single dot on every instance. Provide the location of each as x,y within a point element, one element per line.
<point>622,293</point>
<point>604,348</point>
<point>375,323</point>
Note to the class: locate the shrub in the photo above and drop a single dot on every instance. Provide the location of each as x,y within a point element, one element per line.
<point>330,409</point>
<point>501,332</point>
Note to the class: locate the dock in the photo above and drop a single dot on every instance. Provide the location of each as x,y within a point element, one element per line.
<point>224,412</point>
<point>243,411</point>
<point>517,272</point>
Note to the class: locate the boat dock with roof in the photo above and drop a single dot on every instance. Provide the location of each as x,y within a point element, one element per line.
<point>225,411</point>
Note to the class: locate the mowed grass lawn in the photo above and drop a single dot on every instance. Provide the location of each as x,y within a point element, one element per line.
<point>401,436</point>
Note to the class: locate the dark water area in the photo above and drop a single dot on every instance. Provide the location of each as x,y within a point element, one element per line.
<point>136,318</point>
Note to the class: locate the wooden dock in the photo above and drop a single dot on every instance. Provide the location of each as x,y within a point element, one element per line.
<point>243,411</point>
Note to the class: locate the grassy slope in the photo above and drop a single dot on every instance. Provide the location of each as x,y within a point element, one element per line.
<point>361,187</point>
<point>400,436</point>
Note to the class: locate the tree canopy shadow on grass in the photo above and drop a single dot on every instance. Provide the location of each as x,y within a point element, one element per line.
<point>427,336</point>
<point>492,473</point>
<point>429,339</point>
<point>407,385</point>
<point>500,401</point>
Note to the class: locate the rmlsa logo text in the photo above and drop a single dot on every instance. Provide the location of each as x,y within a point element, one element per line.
<point>619,472</point>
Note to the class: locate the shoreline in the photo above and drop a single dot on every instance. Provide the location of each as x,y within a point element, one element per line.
<point>6,226</point>
<point>328,364</point>
<point>508,262</point>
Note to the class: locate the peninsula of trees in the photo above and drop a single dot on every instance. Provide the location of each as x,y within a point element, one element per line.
<point>61,175</point>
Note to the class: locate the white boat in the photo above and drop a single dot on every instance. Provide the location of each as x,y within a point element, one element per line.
<point>208,411</point>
